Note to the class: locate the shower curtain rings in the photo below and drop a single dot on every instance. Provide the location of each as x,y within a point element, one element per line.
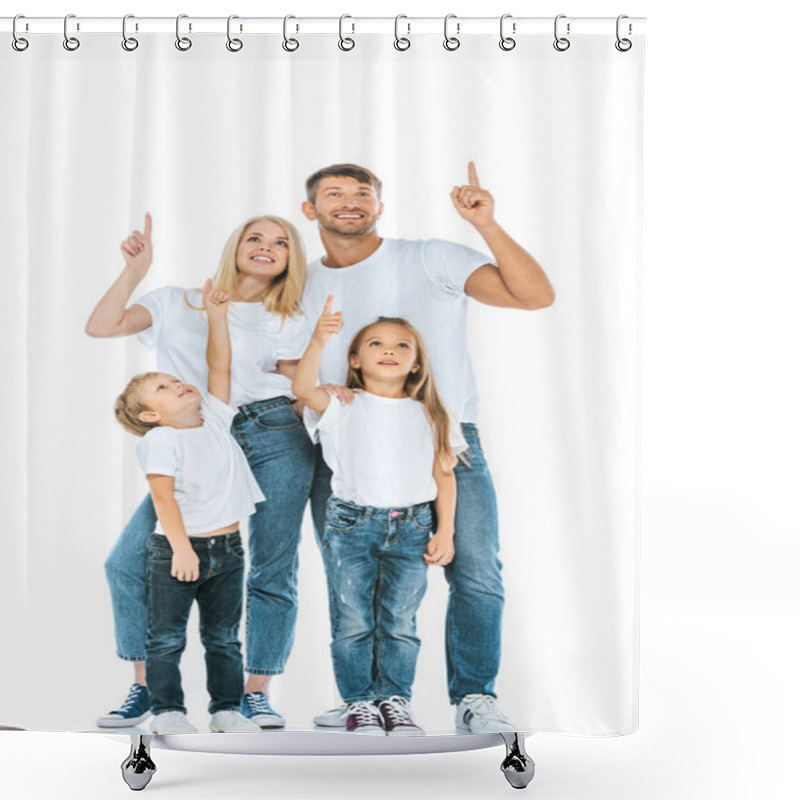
<point>182,42</point>
<point>623,45</point>
<point>561,43</point>
<point>234,45</point>
<point>506,42</point>
<point>18,42</point>
<point>451,42</point>
<point>289,44</point>
<point>401,42</point>
<point>345,42</point>
<point>129,43</point>
<point>70,42</point>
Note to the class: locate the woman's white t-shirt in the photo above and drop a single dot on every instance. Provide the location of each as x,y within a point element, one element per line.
<point>380,449</point>
<point>259,339</point>
<point>214,486</point>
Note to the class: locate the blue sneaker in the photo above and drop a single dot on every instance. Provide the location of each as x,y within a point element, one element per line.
<point>256,707</point>
<point>134,710</point>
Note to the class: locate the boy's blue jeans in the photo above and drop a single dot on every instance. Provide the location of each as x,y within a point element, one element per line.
<point>218,592</point>
<point>281,456</point>
<point>475,604</point>
<point>376,580</point>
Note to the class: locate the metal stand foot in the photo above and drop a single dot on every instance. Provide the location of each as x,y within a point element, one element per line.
<point>517,766</point>
<point>138,768</point>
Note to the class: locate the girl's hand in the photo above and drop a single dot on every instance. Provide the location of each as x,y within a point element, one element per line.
<point>472,202</point>
<point>215,302</point>
<point>137,249</point>
<point>342,393</point>
<point>185,565</point>
<point>328,324</point>
<point>441,550</point>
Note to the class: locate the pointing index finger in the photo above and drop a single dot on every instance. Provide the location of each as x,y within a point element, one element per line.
<point>328,305</point>
<point>473,175</point>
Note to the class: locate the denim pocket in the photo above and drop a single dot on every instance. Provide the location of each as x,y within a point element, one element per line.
<point>342,521</point>
<point>238,550</point>
<point>280,418</point>
<point>160,554</point>
<point>423,518</point>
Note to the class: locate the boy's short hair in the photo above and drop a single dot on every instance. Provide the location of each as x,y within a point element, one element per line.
<point>129,405</point>
<point>361,174</point>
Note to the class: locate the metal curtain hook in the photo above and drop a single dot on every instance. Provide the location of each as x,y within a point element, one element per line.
<point>451,42</point>
<point>129,43</point>
<point>182,42</point>
<point>561,43</point>
<point>401,42</point>
<point>70,42</point>
<point>506,42</point>
<point>234,45</point>
<point>623,45</point>
<point>18,42</point>
<point>345,42</point>
<point>289,44</point>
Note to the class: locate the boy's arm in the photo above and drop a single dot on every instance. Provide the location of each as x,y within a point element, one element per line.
<point>441,548</point>
<point>218,352</point>
<point>185,563</point>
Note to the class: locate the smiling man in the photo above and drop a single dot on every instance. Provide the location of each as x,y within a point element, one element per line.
<point>428,282</point>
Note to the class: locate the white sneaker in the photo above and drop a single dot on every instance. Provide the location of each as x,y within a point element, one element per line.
<point>335,718</point>
<point>481,713</point>
<point>231,721</point>
<point>172,722</point>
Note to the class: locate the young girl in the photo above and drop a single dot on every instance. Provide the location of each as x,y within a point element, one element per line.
<point>391,451</point>
<point>201,487</point>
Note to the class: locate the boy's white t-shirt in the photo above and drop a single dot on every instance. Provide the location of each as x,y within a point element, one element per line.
<point>421,281</point>
<point>259,339</point>
<point>380,449</point>
<point>214,486</point>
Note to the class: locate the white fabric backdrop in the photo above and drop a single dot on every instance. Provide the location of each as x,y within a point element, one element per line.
<point>204,139</point>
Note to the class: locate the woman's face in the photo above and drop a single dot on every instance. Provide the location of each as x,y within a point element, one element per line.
<point>263,251</point>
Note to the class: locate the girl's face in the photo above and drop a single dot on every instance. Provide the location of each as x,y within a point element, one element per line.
<point>387,351</point>
<point>263,251</point>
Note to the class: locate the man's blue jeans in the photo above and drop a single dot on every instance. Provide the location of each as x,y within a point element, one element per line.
<point>282,459</point>
<point>475,605</point>
<point>218,592</point>
<point>376,580</point>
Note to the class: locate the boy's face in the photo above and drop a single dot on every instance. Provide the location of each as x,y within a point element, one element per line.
<point>345,206</point>
<point>167,397</point>
<point>387,351</point>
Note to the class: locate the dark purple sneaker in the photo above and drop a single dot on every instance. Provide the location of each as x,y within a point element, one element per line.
<point>364,718</point>
<point>397,720</point>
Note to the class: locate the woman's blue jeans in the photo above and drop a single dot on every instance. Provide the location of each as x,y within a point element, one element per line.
<point>281,456</point>
<point>476,599</point>
<point>376,580</point>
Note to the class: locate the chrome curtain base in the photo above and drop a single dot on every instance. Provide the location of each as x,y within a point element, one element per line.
<point>517,766</point>
<point>138,768</point>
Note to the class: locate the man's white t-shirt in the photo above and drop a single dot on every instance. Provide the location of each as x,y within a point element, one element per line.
<point>214,486</point>
<point>379,449</point>
<point>259,339</point>
<point>421,281</point>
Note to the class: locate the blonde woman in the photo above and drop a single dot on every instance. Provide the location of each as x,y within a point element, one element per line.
<point>262,270</point>
<point>391,450</point>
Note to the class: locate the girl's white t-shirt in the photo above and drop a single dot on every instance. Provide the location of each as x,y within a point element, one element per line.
<point>214,486</point>
<point>379,449</point>
<point>259,339</point>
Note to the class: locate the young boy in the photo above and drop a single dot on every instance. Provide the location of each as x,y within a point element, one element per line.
<point>201,487</point>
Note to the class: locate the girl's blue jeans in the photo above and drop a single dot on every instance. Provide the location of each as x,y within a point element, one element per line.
<point>476,599</point>
<point>376,580</point>
<point>282,459</point>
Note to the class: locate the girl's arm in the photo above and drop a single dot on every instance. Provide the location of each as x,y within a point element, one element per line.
<point>218,352</point>
<point>185,563</point>
<point>111,317</point>
<point>304,385</point>
<point>441,549</point>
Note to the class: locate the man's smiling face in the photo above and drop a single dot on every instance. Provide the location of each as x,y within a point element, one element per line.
<point>345,206</point>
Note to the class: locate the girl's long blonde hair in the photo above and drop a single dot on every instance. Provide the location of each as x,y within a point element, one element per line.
<point>418,385</point>
<point>283,295</point>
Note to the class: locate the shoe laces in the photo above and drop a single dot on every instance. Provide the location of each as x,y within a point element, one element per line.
<point>396,709</point>
<point>484,705</point>
<point>132,699</point>
<point>364,711</point>
<point>258,702</point>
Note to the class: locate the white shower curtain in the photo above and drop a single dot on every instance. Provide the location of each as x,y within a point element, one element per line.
<point>204,139</point>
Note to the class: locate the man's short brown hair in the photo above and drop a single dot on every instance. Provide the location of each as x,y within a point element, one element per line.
<point>361,174</point>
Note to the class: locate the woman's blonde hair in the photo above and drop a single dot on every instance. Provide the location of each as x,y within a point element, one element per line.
<point>283,295</point>
<point>419,385</point>
<point>129,405</point>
